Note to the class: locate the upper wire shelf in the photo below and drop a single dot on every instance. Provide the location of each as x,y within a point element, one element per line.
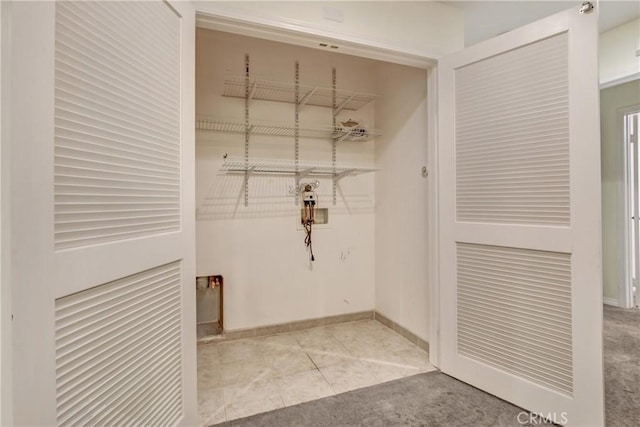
<point>286,92</point>
<point>353,133</point>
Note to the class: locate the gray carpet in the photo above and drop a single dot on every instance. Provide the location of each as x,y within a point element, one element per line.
<point>622,366</point>
<point>431,399</point>
<point>435,399</point>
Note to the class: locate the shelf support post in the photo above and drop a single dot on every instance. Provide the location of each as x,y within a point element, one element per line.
<point>296,129</point>
<point>333,141</point>
<point>247,128</point>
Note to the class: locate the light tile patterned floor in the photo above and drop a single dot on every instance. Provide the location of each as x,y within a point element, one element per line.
<point>240,378</point>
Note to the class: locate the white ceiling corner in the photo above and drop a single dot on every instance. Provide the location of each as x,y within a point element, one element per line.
<point>486,19</point>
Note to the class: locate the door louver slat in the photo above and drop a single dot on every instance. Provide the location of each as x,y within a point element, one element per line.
<point>119,351</point>
<point>512,136</point>
<point>117,121</point>
<point>495,293</point>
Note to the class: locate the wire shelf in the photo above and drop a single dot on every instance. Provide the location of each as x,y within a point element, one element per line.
<point>280,166</point>
<point>355,133</point>
<point>285,92</point>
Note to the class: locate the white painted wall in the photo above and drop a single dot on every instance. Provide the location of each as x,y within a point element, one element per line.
<point>424,28</point>
<point>618,60</point>
<point>402,270</point>
<point>260,249</point>
<point>613,177</point>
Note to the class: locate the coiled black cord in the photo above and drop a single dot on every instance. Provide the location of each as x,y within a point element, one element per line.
<point>307,239</point>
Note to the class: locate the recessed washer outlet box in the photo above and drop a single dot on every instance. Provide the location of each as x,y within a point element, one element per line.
<point>320,216</point>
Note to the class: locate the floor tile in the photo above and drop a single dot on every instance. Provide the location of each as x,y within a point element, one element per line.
<point>396,342</point>
<point>211,407</point>
<point>208,354</point>
<point>252,390</point>
<point>248,371</point>
<point>292,362</point>
<point>417,358</point>
<point>363,349</point>
<point>226,374</point>
<point>235,351</point>
<point>254,375</point>
<point>314,337</point>
<point>348,376</point>
<point>278,343</point>
<point>362,333</point>
<point>304,387</point>
<point>209,376</point>
<point>385,371</point>
<point>323,358</point>
<point>251,398</point>
<point>329,353</point>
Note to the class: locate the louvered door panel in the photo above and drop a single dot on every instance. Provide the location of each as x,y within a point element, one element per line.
<point>117,121</point>
<point>104,103</point>
<point>514,312</point>
<point>118,351</point>
<point>512,137</point>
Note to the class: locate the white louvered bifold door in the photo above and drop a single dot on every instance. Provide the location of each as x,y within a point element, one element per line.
<point>104,213</point>
<point>519,214</point>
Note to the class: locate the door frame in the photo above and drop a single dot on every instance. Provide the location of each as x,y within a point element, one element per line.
<point>625,286</point>
<point>6,380</point>
<point>281,30</point>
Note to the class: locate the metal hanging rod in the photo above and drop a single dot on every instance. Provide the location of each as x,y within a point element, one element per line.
<point>289,167</point>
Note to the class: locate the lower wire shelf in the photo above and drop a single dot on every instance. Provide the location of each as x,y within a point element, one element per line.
<point>289,167</point>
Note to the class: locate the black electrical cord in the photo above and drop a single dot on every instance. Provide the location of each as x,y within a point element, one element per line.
<point>307,240</point>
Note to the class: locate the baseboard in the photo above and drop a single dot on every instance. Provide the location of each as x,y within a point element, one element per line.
<point>402,331</point>
<point>299,325</point>
<point>280,328</point>
<point>611,301</point>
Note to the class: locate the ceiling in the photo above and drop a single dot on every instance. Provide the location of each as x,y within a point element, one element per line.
<point>486,19</point>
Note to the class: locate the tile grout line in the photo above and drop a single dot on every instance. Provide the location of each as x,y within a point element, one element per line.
<point>312,361</point>
<point>224,404</point>
<point>357,358</point>
<point>276,380</point>
<point>327,381</point>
